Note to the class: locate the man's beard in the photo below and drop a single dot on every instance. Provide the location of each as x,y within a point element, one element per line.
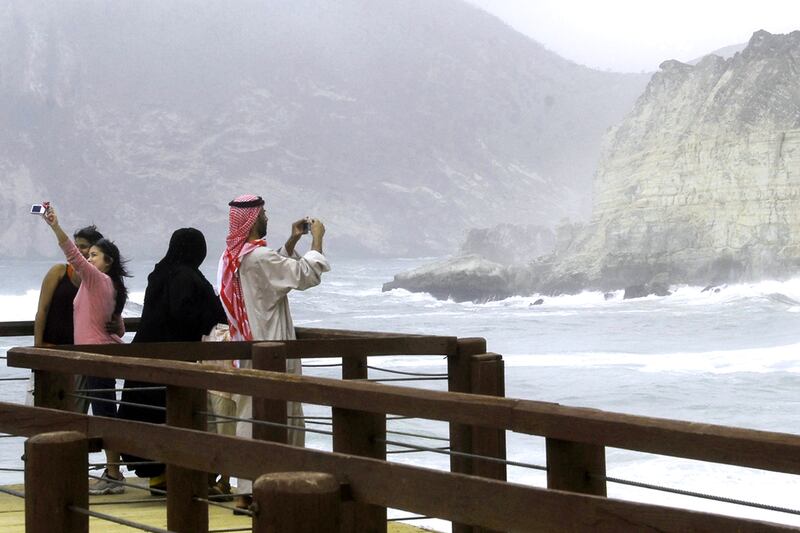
<point>262,230</point>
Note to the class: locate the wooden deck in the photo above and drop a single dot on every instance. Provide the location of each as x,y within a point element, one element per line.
<point>136,506</point>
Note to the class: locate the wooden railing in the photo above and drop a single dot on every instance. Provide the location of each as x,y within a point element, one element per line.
<point>576,437</point>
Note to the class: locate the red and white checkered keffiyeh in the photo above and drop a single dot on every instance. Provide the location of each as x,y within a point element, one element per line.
<point>241,220</point>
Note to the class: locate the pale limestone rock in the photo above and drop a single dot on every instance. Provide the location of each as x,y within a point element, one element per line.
<point>701,182</point>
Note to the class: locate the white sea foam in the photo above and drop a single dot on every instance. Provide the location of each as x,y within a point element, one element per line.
<point>785,293</point>
<point>19,306</point>
<point>758,360</point>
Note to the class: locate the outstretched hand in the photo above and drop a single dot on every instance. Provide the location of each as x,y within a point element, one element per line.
<point>50,216</point>
<point>298,227</point>
<point>317,228</point>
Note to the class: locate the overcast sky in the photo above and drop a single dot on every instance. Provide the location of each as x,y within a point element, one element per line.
<point>636,35</point>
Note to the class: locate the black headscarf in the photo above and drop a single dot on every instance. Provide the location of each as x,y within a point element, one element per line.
<point>187,246</point>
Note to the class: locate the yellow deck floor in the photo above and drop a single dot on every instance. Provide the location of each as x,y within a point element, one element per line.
<point>151,511</point>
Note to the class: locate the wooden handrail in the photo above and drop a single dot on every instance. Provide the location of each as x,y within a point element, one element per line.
<point>778,452</point>
<point>24,328</point>
<point>469,499</point>
<point>320,348</point>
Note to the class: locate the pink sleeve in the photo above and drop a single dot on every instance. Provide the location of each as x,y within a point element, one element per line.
<point>88,273</point>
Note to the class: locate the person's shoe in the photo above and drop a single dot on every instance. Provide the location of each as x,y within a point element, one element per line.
<point>242,505</point>
<point>158,485</point>
<point>221,490</point>
<point>107,485</point>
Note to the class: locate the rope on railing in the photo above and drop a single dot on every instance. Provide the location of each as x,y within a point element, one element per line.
<point>228,497</point>
<point>123,389</point>
<point>381,380</point>
<point>319,423</point>
<point>208,501</point>
<point>463,454</point>
<point>230,529</point>
<point>14,379</point>
<point>12,492</point>
<point>126,502</point>
<point>404,518</point>
<point>327,365</point>
<point>118,402</point>
<point>265,423</point>
<point>421,436</point>
<point>397,452</point>
<point>424,374</point>
<point>12,469</point>
<point>694,494</point>
<point>117,520</point>
<point>100,466</point>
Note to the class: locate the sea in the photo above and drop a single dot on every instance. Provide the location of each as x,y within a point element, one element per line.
<point>729,356</point>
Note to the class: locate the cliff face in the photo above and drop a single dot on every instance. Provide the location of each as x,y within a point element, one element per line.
<point>701,182</point>
<point>357,112</point>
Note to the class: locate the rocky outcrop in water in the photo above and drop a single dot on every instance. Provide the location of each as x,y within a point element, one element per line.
<point>465,278</point>
<point>700,183</point>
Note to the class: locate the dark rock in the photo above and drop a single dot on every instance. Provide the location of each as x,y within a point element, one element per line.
<point>635,291</point>
<point>609,296</point>
<point>540,301</point>
<point>660,289</point>
<point>640,291</point>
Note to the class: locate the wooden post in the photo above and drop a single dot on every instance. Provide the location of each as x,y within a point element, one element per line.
<point>296,502</point>
<point>272,358</point>
<point>459,379</point>
<point>488,377</point>
<point>355,367</point>
<point>56,466</point>
<point>359,433</point>
<point>184,514</point>
<point>576,467</point>
<point>53,389</point>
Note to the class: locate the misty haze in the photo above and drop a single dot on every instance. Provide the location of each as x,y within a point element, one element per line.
<point>627,241</point>
<point>357,112</point>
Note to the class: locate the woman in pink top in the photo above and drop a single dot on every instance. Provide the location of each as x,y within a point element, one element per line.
<point>101,297</point>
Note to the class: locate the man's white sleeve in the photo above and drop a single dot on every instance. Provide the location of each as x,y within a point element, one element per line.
<point>286,273</point>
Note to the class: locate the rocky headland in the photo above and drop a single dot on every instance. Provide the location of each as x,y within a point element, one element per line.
<point>699,184</point>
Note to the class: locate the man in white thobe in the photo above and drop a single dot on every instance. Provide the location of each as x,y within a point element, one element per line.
<point>255,281</point>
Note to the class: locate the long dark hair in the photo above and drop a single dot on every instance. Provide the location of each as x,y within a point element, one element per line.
<point>89,233</point>
<point>116,272</point>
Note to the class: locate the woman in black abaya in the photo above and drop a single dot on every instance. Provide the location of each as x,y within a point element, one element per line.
<point>180,305</point>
